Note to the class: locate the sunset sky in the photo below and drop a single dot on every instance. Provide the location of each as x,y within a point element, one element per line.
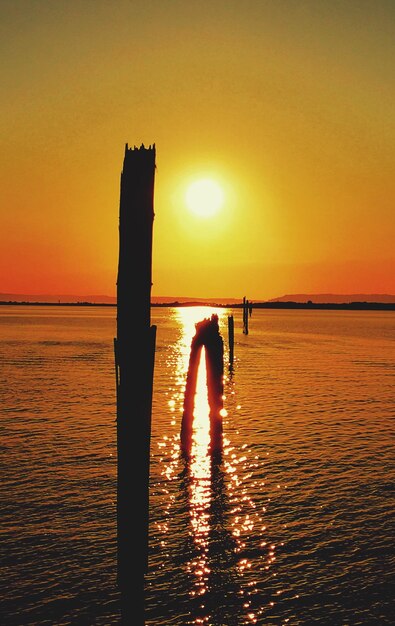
<point>286,106</point>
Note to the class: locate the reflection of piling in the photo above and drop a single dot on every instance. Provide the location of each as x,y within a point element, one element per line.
<point>189,395</point>
<point>231,339</point>
<point>207,335</point>
<point>134,354</point>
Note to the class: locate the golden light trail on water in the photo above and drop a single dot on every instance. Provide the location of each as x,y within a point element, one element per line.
<point>207,486</point>
<point>200,488</point>
<point>200,479</point>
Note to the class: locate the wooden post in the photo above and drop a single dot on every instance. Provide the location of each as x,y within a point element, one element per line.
<point>231,339</point>
<point>134,356</point>
<point>245,316</point>
<point>215,382</point>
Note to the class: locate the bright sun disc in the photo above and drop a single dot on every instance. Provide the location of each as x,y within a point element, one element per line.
<point>204,197</point>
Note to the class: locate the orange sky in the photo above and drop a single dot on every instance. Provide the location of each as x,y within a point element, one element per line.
<point>288,105</point>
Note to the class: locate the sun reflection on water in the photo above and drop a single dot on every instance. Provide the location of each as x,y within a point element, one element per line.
<point>199,465</point>
<point>221,512</point>
<point>200,479</point>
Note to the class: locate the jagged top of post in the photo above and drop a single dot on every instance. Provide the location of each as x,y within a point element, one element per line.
<point>139,157</point>
<point>142,148</point>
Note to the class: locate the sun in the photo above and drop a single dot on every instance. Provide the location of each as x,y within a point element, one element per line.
<point>204,197</point>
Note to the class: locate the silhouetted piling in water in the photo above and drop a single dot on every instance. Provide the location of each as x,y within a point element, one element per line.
<point>134,356</point>
<point>215,373</point>
<point>231,339</point>
<point>245,315</point>
<point>207,335</point>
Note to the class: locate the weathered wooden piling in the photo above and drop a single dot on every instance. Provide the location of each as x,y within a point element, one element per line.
<point>245,315</point>
<point>134,356</point>
<point>207,335</point>
<point>215,382</point>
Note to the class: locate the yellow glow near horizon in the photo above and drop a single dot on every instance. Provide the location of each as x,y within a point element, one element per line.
<point>204,197</point>
<point>264,107</point>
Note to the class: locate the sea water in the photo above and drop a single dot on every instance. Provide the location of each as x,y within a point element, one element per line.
<point>294,525</point>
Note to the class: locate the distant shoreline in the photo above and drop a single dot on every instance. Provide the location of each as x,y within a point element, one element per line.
<point>311,306</point>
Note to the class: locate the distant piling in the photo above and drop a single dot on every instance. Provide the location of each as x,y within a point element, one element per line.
<point>207,334</point>
<point>134,359</point>
<point>245,315</point>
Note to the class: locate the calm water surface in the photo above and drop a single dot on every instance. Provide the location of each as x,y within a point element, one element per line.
<point>293,526</point>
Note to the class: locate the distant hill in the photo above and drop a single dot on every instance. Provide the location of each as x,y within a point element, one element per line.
<point>101,299</point>
<point>184,300</point>
<point>330,298</point>
<point>62,298</point>
<point>322,298</point>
